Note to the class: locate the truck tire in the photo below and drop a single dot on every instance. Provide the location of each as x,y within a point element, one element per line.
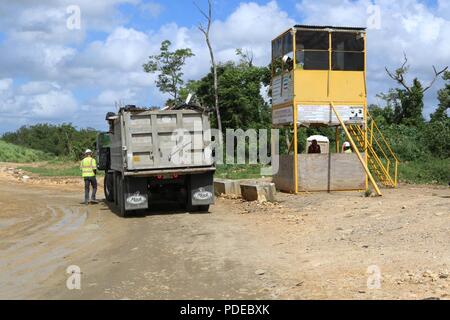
<point>200,209</point>
<point>108,186</point>
<point>203,209</point>
<point>121,197</point>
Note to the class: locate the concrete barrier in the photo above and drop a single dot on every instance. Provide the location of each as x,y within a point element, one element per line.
<point>258,191</point>
<point>226,187</point>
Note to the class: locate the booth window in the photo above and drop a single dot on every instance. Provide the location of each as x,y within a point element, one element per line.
<point>277,53</point>
<point>288,50</point>
<point>347,51</point>
<point>281,47</point>
<point>312,50</point>
<point>287,43</point>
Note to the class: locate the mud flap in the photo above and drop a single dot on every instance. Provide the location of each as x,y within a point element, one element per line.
<point>201,189</point>
<point>136,195</point>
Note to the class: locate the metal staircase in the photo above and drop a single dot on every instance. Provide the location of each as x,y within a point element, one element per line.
<point>381,160</point>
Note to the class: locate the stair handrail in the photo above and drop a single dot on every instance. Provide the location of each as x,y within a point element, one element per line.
<point>361,132</point>
<point>354,146</point>
<point>382,137</point>
<point>397,161</point>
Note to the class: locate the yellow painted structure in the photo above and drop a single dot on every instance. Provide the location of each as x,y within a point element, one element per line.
<point>319,78</point>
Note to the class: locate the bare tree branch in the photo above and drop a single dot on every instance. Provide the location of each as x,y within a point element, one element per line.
<point>436,75</point>
<point>398,78</point>
<point>405,62</point>
<point>399,75</point>
<point>205,31</point>
<point>207,16</point>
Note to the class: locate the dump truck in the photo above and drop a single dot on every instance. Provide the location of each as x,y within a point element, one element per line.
<point>157,156</point>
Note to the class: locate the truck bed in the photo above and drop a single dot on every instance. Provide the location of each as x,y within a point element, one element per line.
<point>160,141</point>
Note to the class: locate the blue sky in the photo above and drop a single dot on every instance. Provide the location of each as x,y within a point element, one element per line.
<point>49,73</point>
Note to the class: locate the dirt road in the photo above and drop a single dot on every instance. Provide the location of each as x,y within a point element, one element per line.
<point>305,247</point>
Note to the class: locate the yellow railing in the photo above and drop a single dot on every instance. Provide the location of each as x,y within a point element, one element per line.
<point>380,153</point>
<point>375,162</point>
<point>355,147</point>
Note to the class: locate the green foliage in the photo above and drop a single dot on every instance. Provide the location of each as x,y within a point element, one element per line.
<point>382,116</point>
<point>13,153</point>
<point>431,139</point>
<point>54,171</point>
<point>60,140</point>
<point>169,65</point>
<point>437,138</point>
<point>57,168</point>
<point>426,171</point>
<point>423,147</point>
<point>411,105</point>
<point>405,106</point>
<point>407,142</point>
<point>245,171</point>
<point>444,101</point>
<point>241,103</point>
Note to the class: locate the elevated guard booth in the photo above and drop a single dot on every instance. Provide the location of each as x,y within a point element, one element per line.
<point>319,79</point>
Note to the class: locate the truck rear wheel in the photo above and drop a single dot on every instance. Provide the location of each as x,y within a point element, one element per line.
<point>120,197</point>
<point>203,209</point>
<point>108,186</point>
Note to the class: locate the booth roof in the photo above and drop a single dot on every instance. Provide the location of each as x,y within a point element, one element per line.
<point>304,26</point>
<point>318,138</point>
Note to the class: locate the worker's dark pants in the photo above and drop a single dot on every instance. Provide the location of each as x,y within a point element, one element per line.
<point>88,181</point>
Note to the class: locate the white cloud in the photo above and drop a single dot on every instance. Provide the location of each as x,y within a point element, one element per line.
<point>37,87</point>
<point>124,49</point>
<point>5,85</point>
<point>36,100</point>
<point>154,9</point>
<point>109,97</point>
<point>54,104</point>
<point>58,63</point>
<point>49,17</point>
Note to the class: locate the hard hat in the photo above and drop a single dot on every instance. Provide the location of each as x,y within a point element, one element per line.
<point>346,144</point>
<point>88,151</point>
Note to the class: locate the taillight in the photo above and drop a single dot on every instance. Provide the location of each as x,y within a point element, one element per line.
<point>159,177</point>
<point>175,176</point>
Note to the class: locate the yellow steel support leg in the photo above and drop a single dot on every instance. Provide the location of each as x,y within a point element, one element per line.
<point>295,153</point>
<point>294,105</point>
<point>355,147</point>
<point>365,148</point>
<point>396,171</point>
<point>337,140</point>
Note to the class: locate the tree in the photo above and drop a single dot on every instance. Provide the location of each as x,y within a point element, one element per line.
<point>382,116</point>
<point>411,109</point>
<point>246,56</point>
<point>241,102</point>
<point>408,102</point>
<point>169,65</point>
<point>62,140</point>
<point>206,30</point>
<point>444,100</point>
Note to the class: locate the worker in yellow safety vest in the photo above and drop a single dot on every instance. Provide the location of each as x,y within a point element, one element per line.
<point>346,147</point>
<point>88,167</point>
